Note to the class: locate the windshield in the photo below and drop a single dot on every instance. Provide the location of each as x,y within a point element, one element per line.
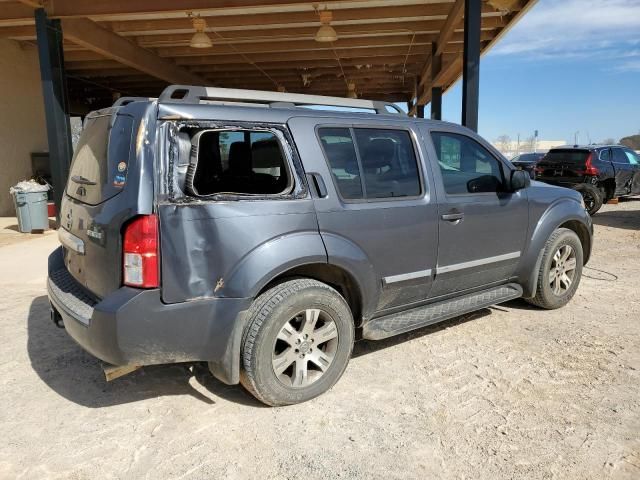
<point>101,160</point>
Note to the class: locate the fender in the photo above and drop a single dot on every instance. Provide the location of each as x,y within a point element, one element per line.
<point>559,212</point>
<point>271,259</point>
<point>345,254</point>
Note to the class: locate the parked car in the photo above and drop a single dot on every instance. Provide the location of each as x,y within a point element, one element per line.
<point>527,162</point>
<point>259,238</point>
<point>598,172</point>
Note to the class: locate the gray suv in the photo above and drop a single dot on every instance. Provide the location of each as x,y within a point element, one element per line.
<point>258,233</point>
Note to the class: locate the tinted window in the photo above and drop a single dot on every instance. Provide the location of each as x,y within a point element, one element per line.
<point>574,157</point>
<point>387,167</point>
<point>605,155</point>
<point>388,162</point>
<point>619,156</point>
<point>466,166</point>
<point>101,159</point>
<point>341,154</point>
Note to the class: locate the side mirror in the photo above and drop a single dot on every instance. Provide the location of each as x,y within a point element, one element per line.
<point>519,180</point>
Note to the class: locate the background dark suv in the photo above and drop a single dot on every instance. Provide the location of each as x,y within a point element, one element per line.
<point>598,172</point>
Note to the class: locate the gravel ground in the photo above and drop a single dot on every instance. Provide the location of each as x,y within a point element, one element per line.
<point>507,392</point>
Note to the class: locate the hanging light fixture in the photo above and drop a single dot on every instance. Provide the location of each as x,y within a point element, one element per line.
<point>351,90</point>
<point>200,39</point>
<point>326,32</point>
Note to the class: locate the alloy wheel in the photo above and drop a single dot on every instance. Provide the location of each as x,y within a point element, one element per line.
<point>563,268</point>
<point>305,348</point>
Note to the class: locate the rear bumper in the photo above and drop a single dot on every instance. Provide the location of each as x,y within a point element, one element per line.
<point>133,327</point>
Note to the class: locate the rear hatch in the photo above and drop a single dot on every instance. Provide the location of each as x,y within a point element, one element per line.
<point>563,165</point>
<point>101,195</point>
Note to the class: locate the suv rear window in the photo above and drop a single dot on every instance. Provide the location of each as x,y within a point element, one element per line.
<point>101,160</point>
<point>574,157</point>
<point>248,162</point>
<point>384,166</point>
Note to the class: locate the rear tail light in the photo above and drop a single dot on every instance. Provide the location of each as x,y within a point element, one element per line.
<point>589,169</point>
<point>538,170</point>
<point>141,253</point>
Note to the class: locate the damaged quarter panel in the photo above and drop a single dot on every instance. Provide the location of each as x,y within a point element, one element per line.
<point>233,249</point>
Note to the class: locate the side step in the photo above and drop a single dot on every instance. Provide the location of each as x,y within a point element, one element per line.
<point>408,320</point>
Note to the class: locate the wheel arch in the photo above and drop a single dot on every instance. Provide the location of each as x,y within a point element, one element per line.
<point>336,277</point>
<point>562,214</point>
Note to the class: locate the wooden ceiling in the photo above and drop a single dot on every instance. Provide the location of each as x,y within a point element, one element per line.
<point>137,47</point>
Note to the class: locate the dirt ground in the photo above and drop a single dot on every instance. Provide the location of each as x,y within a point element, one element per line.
<point>507,392</point>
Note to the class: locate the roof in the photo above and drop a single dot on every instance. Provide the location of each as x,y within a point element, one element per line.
<point>137,48</point>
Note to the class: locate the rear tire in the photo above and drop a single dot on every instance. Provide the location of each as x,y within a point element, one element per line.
<point>297,342</point>
<point>592,196</point>
<point>560,270</point>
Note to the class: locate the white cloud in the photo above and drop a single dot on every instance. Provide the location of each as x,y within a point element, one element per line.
<point>567,29</point>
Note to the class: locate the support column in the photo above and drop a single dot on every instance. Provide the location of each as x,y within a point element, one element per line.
<point>471,63</point>
<point>420,111</point>
<point>54,92</point>
<point>436,91</point>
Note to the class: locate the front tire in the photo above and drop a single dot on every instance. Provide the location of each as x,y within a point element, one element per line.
<point>560,270</point>
<point>297,342</point>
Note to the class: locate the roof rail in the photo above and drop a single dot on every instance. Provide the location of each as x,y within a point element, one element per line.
<point>122,101</point>
<point>194,94</point>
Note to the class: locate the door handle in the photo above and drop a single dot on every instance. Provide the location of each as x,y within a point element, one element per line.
<point>452,217</point>
<point>318,183</point>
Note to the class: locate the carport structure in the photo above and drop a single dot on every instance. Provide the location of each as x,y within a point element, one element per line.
<point>92,52</point>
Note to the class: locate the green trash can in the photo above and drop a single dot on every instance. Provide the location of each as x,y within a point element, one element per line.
<point>31,210</point>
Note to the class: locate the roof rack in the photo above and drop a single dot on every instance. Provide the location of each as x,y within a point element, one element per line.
<point>193,94</point>
<point>122,101</point>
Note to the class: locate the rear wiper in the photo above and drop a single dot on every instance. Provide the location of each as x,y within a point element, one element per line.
<point>81,180</point>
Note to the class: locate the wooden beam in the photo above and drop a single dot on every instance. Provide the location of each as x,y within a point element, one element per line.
<point>15,14</point>
<point>95,8</point>
<point>453,19</point>
<point>286,19</point>
<point>110,45</point>
<point>221,48</point>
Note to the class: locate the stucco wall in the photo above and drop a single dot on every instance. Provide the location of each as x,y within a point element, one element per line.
<point>22,123</point>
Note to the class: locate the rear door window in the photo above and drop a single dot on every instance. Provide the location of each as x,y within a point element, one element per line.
<point>388,162</point>
<point>101,160</point>
<point>619,156</point>
<point>370,164</point>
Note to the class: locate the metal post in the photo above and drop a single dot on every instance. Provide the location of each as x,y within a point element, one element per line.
<point>436,91</point>
<point>54,92</point>
<point>436,103</point>
<point>471,63</point>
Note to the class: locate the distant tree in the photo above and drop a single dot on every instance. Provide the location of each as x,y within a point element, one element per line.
<point>528,144</point>
<point>609,141</point>
<point>503,142</point>
<point>632,141</point>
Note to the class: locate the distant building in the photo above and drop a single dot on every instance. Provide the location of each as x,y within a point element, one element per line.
<point>512,149</point>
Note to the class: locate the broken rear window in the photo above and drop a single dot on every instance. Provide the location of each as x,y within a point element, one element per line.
<point>250,162</point>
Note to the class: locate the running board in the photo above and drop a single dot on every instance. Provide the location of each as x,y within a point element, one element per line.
<point>397,323</point>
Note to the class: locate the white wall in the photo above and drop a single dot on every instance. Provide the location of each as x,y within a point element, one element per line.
<point>22,122</point>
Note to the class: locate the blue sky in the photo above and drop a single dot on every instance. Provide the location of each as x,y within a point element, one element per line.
<point>567,66</point>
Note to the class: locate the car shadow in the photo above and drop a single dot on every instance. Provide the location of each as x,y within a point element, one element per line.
<point>624,219</point>
<point>77,376</point>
